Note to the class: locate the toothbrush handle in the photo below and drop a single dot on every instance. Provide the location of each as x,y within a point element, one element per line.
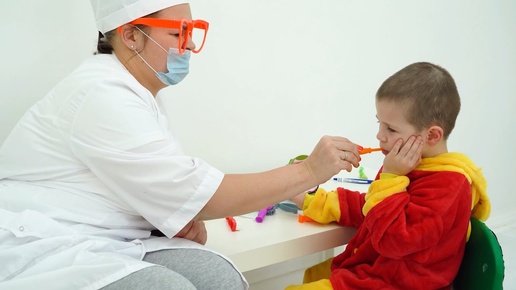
<point>369,150</point>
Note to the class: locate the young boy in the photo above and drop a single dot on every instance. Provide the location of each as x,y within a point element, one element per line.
<point>413,223</point>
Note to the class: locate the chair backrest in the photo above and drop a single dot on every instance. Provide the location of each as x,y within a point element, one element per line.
<point>482,266</point>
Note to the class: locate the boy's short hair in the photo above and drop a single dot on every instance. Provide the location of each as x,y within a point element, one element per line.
<point>429,93</point>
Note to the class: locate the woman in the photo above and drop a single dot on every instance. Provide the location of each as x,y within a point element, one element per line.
<point>95,192</point>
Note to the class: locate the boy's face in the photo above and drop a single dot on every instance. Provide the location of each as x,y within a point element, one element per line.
<point>393,125</point>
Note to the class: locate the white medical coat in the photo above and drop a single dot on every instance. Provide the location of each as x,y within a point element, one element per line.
<point>85,176</point>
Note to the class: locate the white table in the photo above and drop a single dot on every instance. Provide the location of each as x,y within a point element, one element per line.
<point>278,238</point>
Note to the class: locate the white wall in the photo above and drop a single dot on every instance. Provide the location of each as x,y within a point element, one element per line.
<point>274,76</point>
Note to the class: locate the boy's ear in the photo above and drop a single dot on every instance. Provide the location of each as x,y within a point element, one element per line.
<point>434,135</point>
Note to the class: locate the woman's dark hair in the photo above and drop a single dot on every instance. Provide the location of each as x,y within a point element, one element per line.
<point>104,43</point>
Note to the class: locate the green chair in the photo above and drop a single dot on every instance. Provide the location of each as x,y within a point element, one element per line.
<point>482,266</point>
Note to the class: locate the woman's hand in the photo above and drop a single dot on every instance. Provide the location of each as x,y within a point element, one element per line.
<point>330,156</point>
<point>403,158</point>
<point>194,231</point>
<point>298,200</point>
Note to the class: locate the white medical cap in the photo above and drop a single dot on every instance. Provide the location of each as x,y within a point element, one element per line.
<point>110,14</point>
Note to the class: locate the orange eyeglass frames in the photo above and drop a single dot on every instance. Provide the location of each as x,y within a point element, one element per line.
<point>186,30</point>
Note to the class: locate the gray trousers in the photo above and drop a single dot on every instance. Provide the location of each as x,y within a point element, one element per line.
<point>185,269</point>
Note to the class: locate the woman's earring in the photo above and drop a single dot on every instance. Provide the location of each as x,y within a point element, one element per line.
<point>132,47</point>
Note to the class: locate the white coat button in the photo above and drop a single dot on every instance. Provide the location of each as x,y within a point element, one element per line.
<point>21,228</point>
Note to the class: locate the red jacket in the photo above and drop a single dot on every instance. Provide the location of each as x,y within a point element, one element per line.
<point>411,230</point>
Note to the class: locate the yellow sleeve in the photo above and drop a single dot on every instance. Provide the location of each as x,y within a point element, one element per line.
<point>323,207</point>
<point>380,189</point>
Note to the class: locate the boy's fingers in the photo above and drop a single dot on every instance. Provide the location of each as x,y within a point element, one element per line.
<point>396,148</point>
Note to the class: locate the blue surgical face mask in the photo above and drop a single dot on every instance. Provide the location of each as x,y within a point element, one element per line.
<point>178,65</point>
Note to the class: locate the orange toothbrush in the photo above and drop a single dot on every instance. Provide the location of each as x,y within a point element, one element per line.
<point>368,150</point>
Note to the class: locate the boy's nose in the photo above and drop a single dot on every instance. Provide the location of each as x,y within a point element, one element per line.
<point>380,137</point>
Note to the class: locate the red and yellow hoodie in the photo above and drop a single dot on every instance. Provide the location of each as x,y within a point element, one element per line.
<point>411,230</point>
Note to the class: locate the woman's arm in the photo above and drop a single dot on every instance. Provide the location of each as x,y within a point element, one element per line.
<point>244,193</point>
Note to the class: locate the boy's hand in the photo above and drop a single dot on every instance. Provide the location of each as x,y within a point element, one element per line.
<point>403,158</point>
